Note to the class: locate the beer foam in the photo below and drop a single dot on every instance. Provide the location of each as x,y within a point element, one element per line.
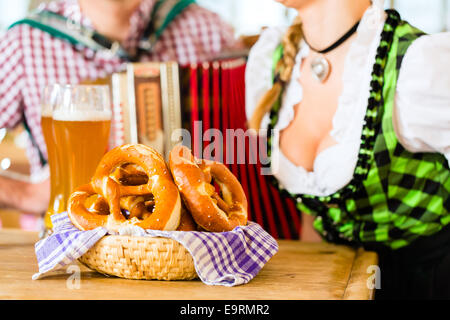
<point>82,115</point>
<point>46,111</point>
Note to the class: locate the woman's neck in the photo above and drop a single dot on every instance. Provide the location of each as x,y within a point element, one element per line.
<point>110,17</point>
<point>325,21</point>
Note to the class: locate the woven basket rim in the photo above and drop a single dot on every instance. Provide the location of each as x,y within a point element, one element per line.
<point>118,264</point>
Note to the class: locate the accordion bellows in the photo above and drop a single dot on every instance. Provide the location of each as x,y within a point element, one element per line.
<point>146,258</point>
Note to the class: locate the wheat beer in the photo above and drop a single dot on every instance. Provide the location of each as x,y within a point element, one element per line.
<point>57,199</point>
<point>84,138</point>
<point>76,125</point>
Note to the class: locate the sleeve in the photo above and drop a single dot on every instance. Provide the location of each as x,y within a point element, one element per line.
<point>11,81</point>
<point>422,103</point>
<point>258,73</point>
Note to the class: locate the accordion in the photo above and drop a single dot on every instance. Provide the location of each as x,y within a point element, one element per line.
<point>161,104</point>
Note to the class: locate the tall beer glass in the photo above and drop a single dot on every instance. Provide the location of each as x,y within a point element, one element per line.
<point>81,121</point>
<point>56,203</point>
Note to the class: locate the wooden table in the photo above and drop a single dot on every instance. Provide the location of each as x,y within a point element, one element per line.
<point>298,271</point>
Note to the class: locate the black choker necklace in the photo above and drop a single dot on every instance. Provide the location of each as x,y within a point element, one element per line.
<point>320,66</point>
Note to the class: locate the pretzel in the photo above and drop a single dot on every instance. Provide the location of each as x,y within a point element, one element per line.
<point>130,175</point>
<point>97,204</point>
<point>167,202</point>
<point>85,219</point>
<point>137,206</point>
<point>210,211</point>
<point>186,221</point>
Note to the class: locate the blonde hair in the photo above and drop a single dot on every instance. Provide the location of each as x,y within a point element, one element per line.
<point>283,72</point>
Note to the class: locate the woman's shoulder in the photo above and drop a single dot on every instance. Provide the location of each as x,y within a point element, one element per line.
<point>428,51</point>
<point>422,100</point>
<point>424,76</point>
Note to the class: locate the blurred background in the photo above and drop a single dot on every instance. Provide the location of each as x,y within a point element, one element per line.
<point>248,17</point>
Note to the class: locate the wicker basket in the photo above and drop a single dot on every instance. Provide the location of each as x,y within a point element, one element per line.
<point>140,258</point>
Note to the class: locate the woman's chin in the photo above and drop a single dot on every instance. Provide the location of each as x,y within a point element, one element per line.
<point>294,4</point>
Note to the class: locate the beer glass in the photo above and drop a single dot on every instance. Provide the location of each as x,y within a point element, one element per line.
<point>81,125</point>
<point>56,203</point>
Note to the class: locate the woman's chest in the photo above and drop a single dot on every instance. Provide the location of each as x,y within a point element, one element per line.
<point>308,133</point>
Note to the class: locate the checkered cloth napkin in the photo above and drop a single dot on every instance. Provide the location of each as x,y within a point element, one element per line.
<point>227,258</point>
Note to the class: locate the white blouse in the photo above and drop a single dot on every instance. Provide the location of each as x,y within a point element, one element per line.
<point>421,111</point>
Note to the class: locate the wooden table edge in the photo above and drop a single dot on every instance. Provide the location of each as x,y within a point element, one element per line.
<point>358,286</point>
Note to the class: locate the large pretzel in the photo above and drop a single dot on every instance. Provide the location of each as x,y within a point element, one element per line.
<point>210,211</point>
<point>186,221</point>
<point>165,203</point>
<point>130,174</point>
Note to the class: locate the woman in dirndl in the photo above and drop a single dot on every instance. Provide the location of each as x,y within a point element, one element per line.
<point>355,103</point>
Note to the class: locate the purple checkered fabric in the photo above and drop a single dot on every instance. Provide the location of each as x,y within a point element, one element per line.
<point>227,258</point>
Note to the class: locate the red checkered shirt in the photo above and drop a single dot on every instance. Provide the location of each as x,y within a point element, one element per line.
<point>31,59</point>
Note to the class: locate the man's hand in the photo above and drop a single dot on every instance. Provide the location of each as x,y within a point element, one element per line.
<point>24,196</point>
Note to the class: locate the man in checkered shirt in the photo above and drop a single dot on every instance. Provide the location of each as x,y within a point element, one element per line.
<point>31,58</point>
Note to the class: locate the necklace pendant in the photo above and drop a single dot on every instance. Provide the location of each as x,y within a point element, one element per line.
<point>320,68</point>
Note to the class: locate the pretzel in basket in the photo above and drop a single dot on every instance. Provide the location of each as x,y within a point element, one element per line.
<point>152,202</point>
<point>211,211</point>
<point>130,174</point>
<point>186,221</point>
<point>141,207</point>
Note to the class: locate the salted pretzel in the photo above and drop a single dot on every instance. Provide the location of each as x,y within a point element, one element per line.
<point>186,221</point>
<point>130,174</point>
<point>142,206</point>
<point>97,204</point>
<point>211,211</point>
<point>137,206</point>
<point>166,206</point>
